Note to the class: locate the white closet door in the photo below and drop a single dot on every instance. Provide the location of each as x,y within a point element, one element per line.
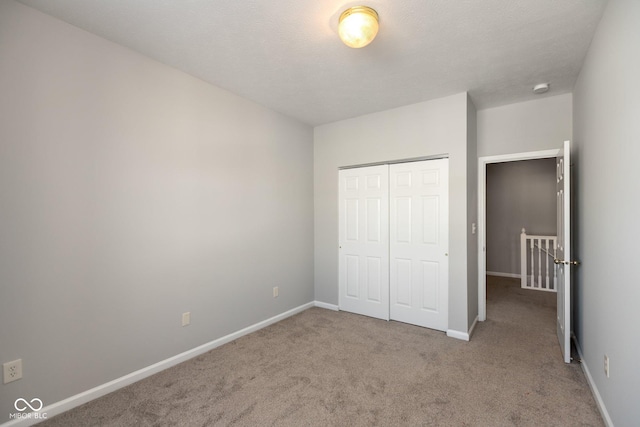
<point>419,240</point>
<point>364,241</point>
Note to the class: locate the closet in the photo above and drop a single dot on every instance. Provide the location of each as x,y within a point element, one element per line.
<point>393,242</point>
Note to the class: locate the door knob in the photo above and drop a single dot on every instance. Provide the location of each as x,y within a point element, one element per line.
<point>561,261</point>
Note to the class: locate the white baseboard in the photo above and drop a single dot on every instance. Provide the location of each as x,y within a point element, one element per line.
<point>325,305</point>
<point>101,390</point>
<point>464,336</point>
<point>592,385</point>
<point>496,273</point>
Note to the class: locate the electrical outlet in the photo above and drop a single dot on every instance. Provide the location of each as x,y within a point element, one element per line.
<point>12,371</point>
<point>606,365</point>
<point>275,292</point>
<point>186,318</point>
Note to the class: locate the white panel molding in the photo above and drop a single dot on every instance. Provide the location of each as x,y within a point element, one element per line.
<point>592,385</point>
<point>498,274</point>
<point>482,220</point>
<point>101,390</point>
<point>325,305</point>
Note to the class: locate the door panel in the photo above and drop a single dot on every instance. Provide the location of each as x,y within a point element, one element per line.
<point>402,269</point>
<point>419,243</point>
<point>364,241</point>
<point>430,285</point>
<point>352,276</point>
<point>374,279</point>
<point>563,252</point>
<point>403,219</point>
<point>373,220</point>
<point>430,226</point>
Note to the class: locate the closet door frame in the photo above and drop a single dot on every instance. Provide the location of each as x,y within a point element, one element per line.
<point>354,196</point>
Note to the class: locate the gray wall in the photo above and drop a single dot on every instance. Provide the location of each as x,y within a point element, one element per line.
<point>472,213</point>
<point>130,193</point>
<point>430,128</point>
<point>607,148</point>
<point>519,194</point>
<point>537,125</point>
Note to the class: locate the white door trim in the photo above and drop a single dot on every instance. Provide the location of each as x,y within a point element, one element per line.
<point>393,162</point>
<point>482,213</point>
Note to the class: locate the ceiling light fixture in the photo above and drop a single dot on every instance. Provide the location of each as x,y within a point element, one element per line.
<point>358,26</point>
<point>541,88</point>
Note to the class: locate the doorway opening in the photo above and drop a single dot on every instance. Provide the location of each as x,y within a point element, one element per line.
<point>521,227</point>
<point>484,162</point>
<point>561,256</point>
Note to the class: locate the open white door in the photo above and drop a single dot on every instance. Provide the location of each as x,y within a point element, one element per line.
<point>563,254</point>
<point>363,264</point>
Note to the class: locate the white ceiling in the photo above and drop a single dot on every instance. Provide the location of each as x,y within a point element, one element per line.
<point>286,55</point>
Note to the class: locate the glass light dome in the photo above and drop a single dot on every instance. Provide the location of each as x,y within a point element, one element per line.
<point>358,26</point>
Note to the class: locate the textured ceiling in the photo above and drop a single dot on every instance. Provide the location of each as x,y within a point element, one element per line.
<point>286,55</point>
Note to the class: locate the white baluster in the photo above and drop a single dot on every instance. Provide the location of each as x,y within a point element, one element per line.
<point>523,258</point>
<point>533,272</point>
<point>546,269</point>
<point>532,276</point>
<point>539,263</point>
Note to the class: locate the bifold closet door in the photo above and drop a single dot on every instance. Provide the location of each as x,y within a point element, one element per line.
<point>364,241</point>
<point>419,234</point>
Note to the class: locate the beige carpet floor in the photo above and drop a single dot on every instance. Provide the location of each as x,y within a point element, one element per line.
<point>333,368</point>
